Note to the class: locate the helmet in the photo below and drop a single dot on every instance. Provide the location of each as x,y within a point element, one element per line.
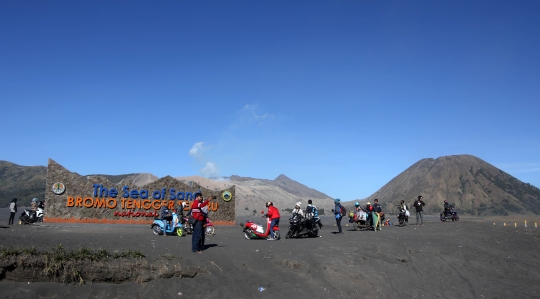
<point>368,203</point>
<point>299,204</point>
<point>35,199</point>
<point>269,204</point>
<point>356,204</point>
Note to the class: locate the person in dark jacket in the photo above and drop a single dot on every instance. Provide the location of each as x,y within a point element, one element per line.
<point>418,205</point>
<point>337,214</point>
<point>447,208</point>
<point>377,207</point>
<point>13,210</point>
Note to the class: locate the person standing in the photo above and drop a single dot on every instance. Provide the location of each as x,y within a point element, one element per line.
<point>13,210</point>
<point>313,212</point>
<point>403,206</point>
<point>418,205</point>
<point>197,243</point>
<point>273,214</point>
<point>337,214</point>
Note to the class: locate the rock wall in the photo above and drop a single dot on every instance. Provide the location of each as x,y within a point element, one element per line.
<point>83,201</point>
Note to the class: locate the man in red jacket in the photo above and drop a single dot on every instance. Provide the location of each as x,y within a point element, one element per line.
<point>198,231</point>
<point>273,214</point>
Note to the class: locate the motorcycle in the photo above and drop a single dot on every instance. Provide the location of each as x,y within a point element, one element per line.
<point>160,227</point>
<point>302,227</point>
<point>253,230</point>
<point>451,215</point>
<point>402,217</point>
<point>29,216</point>
<point>188,227</point>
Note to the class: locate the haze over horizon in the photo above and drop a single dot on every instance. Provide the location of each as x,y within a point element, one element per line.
<point>331,94</point>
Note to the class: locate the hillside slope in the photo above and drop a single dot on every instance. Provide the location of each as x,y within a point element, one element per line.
<point>474,186</point>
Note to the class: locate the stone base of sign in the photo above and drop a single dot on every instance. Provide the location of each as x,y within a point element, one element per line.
<point>94,199</point>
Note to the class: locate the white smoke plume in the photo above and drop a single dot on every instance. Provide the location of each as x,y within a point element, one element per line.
<point>198,151</point>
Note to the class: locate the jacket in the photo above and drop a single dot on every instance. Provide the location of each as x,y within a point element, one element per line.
<point>13,207</point>
<point>311,209</point>
<point>418,205</point>
<point>196,209</point>
<point>273,213</point>
<point>377,208</point>
<point>337,210</point>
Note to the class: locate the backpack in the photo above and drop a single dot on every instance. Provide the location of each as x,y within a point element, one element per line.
<point>312,210</point>
<point>343,211</point>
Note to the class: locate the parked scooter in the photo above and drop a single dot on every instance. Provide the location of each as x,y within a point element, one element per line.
<point>29,216</point>
<point>301,227</point>
<point>160,227</point>
<point>253,230</point>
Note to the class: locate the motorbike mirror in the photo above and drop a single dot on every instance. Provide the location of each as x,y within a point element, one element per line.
<point>262,212</point>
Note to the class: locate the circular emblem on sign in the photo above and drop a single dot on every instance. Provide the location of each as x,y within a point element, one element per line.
<point>58,188</point>
<point>227,196</point>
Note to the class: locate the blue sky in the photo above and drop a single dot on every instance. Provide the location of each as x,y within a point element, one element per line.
<point>341,96</point>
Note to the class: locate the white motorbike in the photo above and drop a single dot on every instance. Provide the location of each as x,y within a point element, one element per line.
<point>28,216</point>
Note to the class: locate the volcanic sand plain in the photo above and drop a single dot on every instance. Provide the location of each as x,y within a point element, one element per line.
<point>472,258</point>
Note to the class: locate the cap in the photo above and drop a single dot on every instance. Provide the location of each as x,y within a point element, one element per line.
<point>299,204</point>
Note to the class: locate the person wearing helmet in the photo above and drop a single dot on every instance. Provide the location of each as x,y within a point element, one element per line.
<point>297,210</point>
<point>273,214</point>
<point>34,204</point>
<point>447,208</point>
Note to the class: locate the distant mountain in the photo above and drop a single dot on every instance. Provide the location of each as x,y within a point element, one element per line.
<point>473,185</point>
<point>21,182</point>
<point>252,194</point>
<point>285,183</point>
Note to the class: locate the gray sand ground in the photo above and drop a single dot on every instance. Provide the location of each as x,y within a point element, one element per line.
<point>468,259</point>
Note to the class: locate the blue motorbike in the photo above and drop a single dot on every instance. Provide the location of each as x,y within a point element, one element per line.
<point>160,227</point>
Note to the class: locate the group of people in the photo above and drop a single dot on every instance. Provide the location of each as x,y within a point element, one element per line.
<point>311,213</point>
<point>376,208</point>
<point>34,205</point>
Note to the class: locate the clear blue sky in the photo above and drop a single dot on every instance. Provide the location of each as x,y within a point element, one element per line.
<point>341,96</point>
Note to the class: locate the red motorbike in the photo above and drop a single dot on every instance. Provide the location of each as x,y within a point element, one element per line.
<point>253,230</point>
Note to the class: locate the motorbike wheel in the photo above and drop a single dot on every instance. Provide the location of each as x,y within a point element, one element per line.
<point>401,222</point>
<point>156,230</point>
<point>277,235</point>
<point>443,219</point>
<point>180,232</point>
<point>247,235</point>
<point>209,230</point>
<point>40,219</point>
<point>289,234</point>
<point>457,217</point>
